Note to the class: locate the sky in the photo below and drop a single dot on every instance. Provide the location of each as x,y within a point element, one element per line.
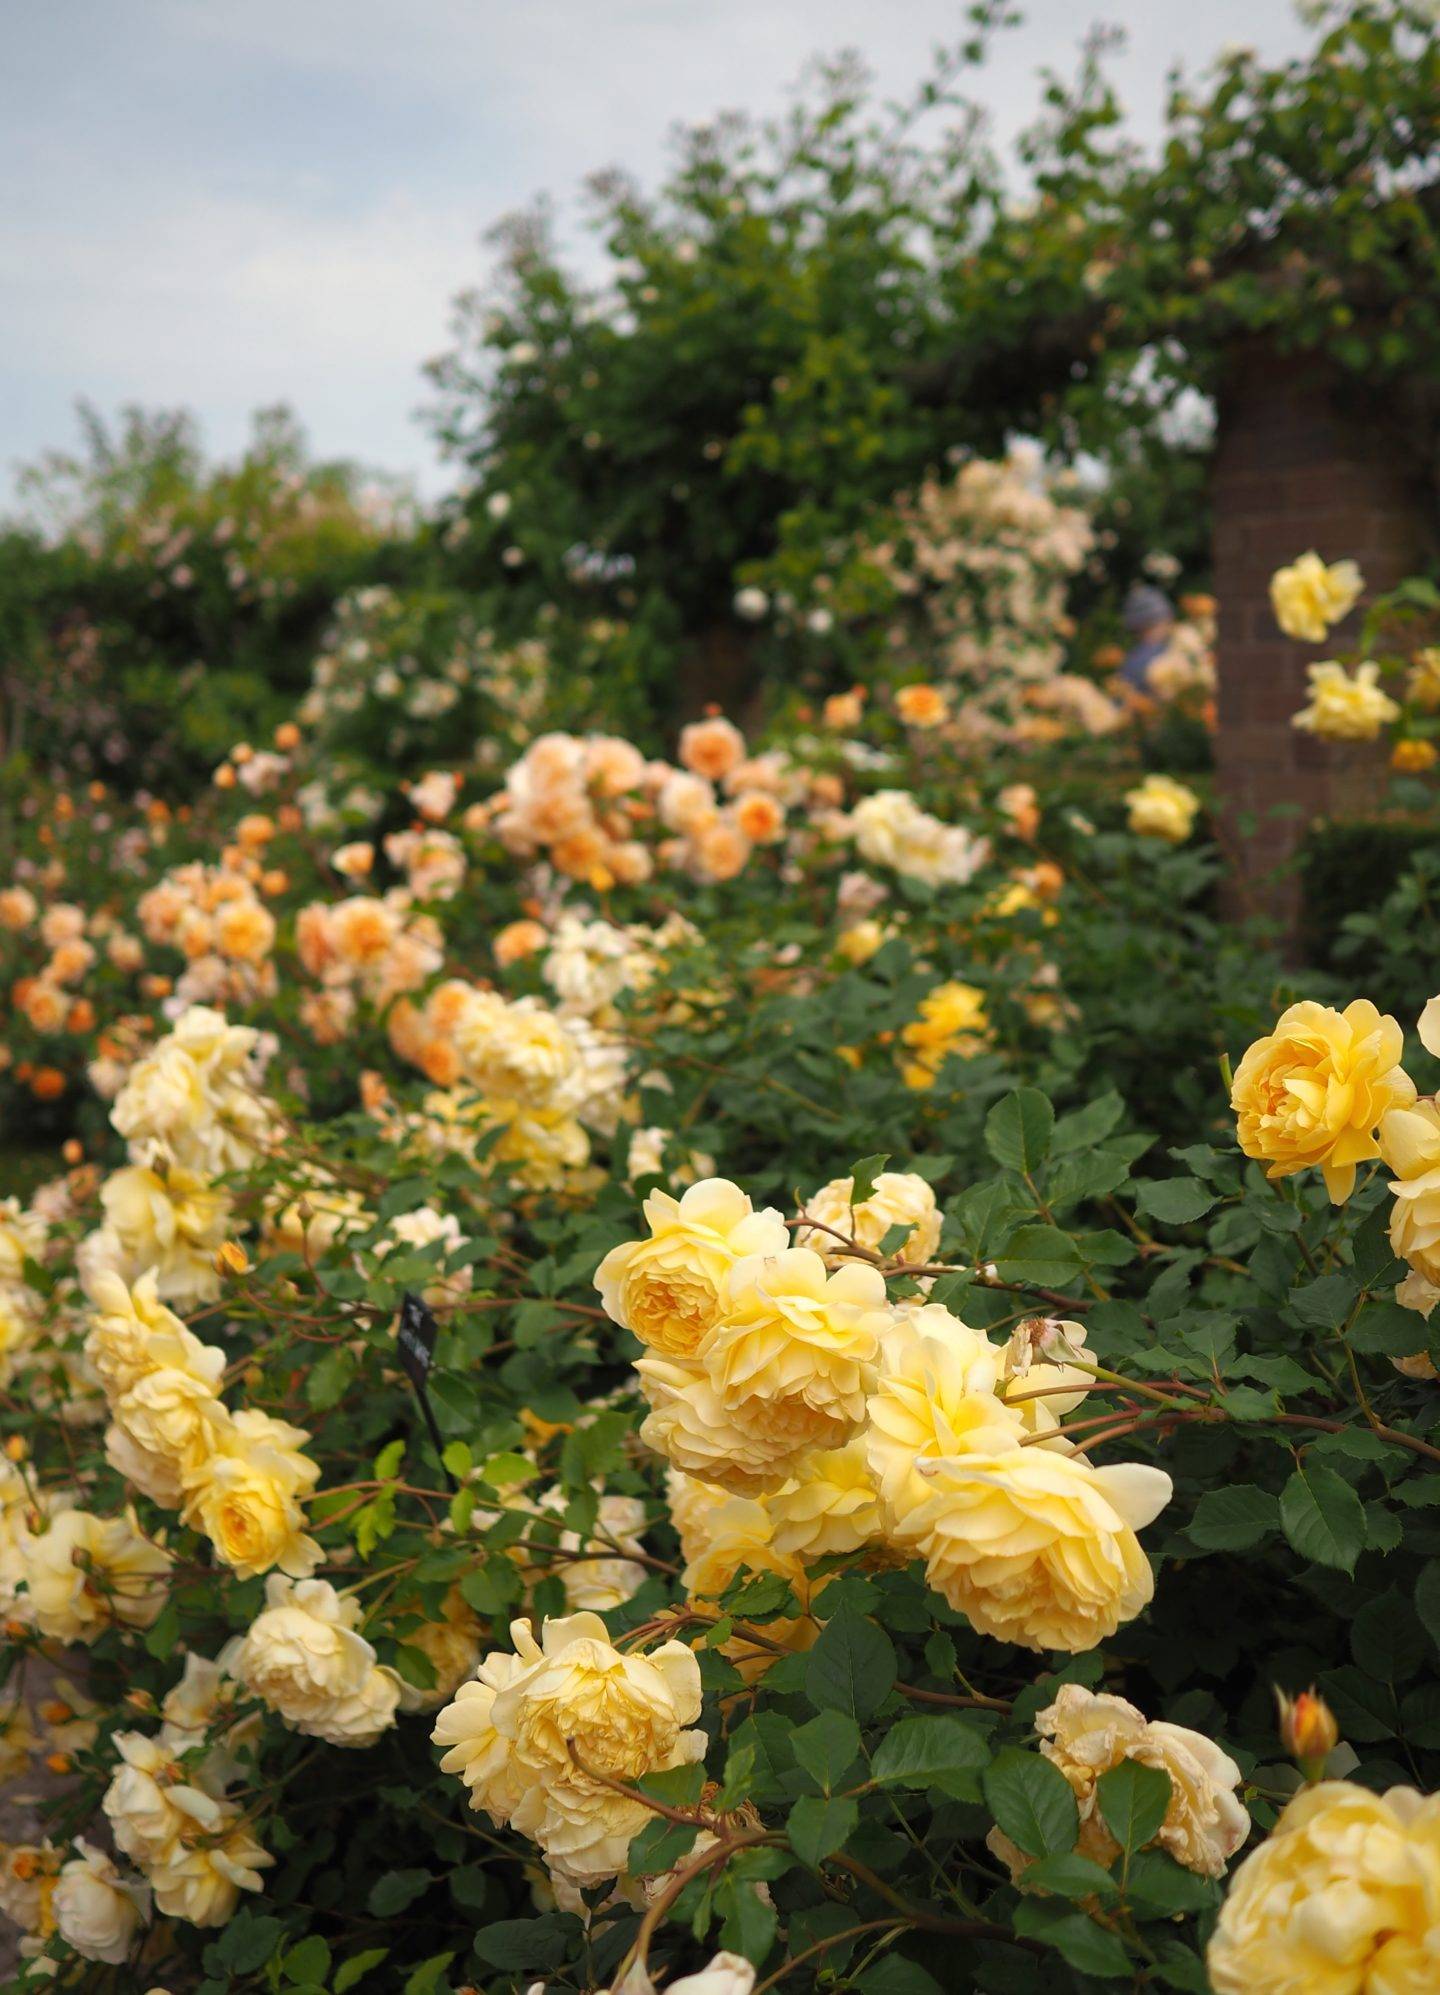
<point>229,203</point>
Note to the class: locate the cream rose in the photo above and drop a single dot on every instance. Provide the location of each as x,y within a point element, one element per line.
<point>1085,1733</point>
<point>900,1198</point>
<point>97,1910</point>
<point>86,1574</point>
<point>1343,708</point>
<point>304,1656</point>
<point>523,1738</point>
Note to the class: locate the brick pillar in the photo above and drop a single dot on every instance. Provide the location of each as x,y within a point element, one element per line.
<point>1294,469</point>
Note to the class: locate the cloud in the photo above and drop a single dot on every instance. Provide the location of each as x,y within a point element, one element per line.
<point>231,205</point>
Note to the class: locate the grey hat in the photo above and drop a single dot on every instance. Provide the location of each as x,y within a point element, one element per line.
<point>1145,606</point>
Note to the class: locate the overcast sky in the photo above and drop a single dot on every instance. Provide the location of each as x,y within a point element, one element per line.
<point>226,203</point>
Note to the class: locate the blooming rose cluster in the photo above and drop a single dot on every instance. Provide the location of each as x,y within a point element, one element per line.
<point>854,1421</point>
<point>181,1830</point>
<point>192,1111</point>
<point>591,805</point>
<point>216,918</point>
<point>890,829</point>
<point>516,1067</point>
<point>241,1478</point>
<point>953,1020</point>
<point>369,947</point>
<point>544,1733</point>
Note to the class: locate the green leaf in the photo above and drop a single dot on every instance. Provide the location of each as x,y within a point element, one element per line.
<point>1133,1799</point>
<point>1173,1201</point>
<point>940,1752</point>
<point>1070,1875</point>
<point>1323,1517</point>
<point>329,1377</point>
<point>1234,1518</point>
<point>827,1748</point>
<point>1427,1600</point>
<point>749,1919</point>
<point>249,1941</point>
<point>1324,1303</point>
<point>1018,1130</point>
<point>1156,1887</point>
<point>528,1943</point>
<point>1085,1127</point>
<point>393,1891</point>
<point>817,1827</point>
<point>350,1972</point>
<point>864,1174</point>
<point>1032,1802</point>
<point>426,1977</point>
<point>851,1668</point>
<point>1039,1254</point>
<point>309,1961</point>
<point>1386,1330</point>
<point>1088,1948</point>
<point>893,1974</point>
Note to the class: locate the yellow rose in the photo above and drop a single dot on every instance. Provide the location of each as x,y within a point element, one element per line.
<point>900,1198</point>
<point>1343,708</point>
<point>1085,1733</point>
<point>86,1574</point>
<point>1037,1548</point>
<point>304,1656</point>
<point>740,1534</point>
<point>132,1333</point>
<point>570,1702</point>
<point>1162,808</point>
<point>791,1352</point>
<point>829,1505</point>
<point>97,1910</point>
<point>452,1645</point>
<point>475,1750</point>
<point>1410,1146</point>
<point>691,1427</point>
<point>246,1497</point>
<point>666,1289</point>
<point>1343,1899</point>
<point>953,1019</point>
<point>1423,682</point>
<point>202,1884</point>
<point>1309,597</point>
<point>1313,1092</point>
<point>171,1224</point>
<point>936,1397</point>
<point>162,1431</point>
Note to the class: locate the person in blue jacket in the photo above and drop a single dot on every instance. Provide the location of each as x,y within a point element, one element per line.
<point>1149,617</point>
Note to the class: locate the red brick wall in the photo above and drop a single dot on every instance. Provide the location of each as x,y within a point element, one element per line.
<point>1293,470</point>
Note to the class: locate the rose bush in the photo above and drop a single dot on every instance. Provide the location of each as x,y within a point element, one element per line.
<point>888,1419</point>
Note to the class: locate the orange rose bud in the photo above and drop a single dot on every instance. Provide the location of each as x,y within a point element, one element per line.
<point>1308,1730</point>
<point>16,1448</point>
<point>55,1712</point>
<point>287,736</point>
<point>231,1259</point>
<point>59,1762</point>
<point>73,1150</point>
